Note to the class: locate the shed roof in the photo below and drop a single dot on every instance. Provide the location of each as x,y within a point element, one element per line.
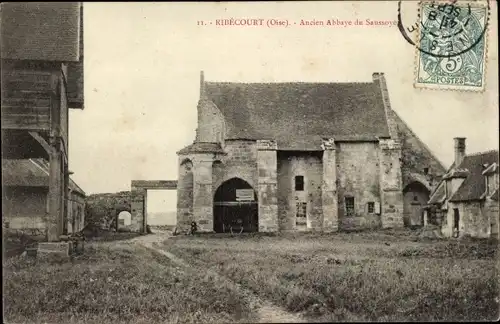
<point>29,173</point>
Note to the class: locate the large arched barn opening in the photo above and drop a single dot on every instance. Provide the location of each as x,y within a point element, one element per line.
<point>415,197</point>
<point>235,207</point>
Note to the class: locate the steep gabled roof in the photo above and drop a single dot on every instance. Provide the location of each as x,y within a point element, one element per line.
<point>40,31</point>
<point>29,173</point>
<point>297,115</point>
<point>474,185</point>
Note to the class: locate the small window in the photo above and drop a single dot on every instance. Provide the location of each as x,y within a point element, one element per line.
<point>299,183</point>
<point>426,171</point>
<point>349,206</point>
<point>371,207</point>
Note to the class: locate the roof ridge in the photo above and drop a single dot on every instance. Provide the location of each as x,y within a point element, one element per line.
<point>481,153</point>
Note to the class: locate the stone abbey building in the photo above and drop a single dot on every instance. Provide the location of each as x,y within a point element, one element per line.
<point>302,156</point>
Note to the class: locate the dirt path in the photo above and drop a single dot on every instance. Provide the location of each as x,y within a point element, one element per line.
<point>266,311</point>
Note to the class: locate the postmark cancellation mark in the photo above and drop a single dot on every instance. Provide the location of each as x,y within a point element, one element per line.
<point>452,46</point>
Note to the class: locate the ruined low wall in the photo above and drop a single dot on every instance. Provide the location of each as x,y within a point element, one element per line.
<point>101,210</point>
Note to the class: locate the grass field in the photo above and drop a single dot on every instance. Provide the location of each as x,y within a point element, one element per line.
<point>116,282</point>
<point>356,276</point>
<point>378,276</point>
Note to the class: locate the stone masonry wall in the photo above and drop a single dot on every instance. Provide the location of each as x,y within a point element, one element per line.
<point>24,210</point>
<point>329,187</point>
<point>210,123</point>
<point>476,221</point>
<point>202,191</point>
<point>358,177</point>
<point>491,210</point>
<point>185,193</point>
<point>267,186</point>
<point>239,162</point>
<point>391,191</point>
<point>291,164</point>
<point>101,209</point>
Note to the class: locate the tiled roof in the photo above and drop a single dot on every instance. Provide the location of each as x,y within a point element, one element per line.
<point>298,115</point>
<point>40,31</point>
<point>200,147</point>
<point>474,185</point>
<point>29,173</point>
<point>439,195</point>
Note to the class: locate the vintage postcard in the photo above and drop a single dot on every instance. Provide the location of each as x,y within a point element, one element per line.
<point>250,162</point>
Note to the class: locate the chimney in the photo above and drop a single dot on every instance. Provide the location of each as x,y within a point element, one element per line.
<point>459,150</point>
<point>202,84</point>
<point>377,76</point>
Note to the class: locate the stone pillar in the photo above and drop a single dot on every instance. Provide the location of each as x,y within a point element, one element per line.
<point>55,196</point>
<point>329,187</point>
<point>267,164</point>
<point>203,209</point>
<point>65,198</point>
<point>138,212</point>
<point>391,184</point>
<point>185,193</point>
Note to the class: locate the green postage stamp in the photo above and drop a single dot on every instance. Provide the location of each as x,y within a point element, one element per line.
<point>452,46</point>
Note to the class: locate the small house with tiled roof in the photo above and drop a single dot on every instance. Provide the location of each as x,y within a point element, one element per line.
<point>466,200</point>
<point>297,156</point>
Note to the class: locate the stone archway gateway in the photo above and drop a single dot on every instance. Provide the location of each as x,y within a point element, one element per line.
<point>415,197</point>
<point>139,200</point>
<point>235,207</point>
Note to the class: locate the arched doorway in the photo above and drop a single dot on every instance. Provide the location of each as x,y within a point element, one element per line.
<point>415,197</point>
<point>235,207</point>
<point>124,219</point>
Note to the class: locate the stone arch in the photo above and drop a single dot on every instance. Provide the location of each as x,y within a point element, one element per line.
<point>119,207</point>
<point>415,197</point>
<point>230,211</point>
<point>416,177</point>
<point>185,193</point>
<point>124,219</point>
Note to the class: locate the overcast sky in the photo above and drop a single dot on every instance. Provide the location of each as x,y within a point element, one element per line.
<point>143,60</point>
